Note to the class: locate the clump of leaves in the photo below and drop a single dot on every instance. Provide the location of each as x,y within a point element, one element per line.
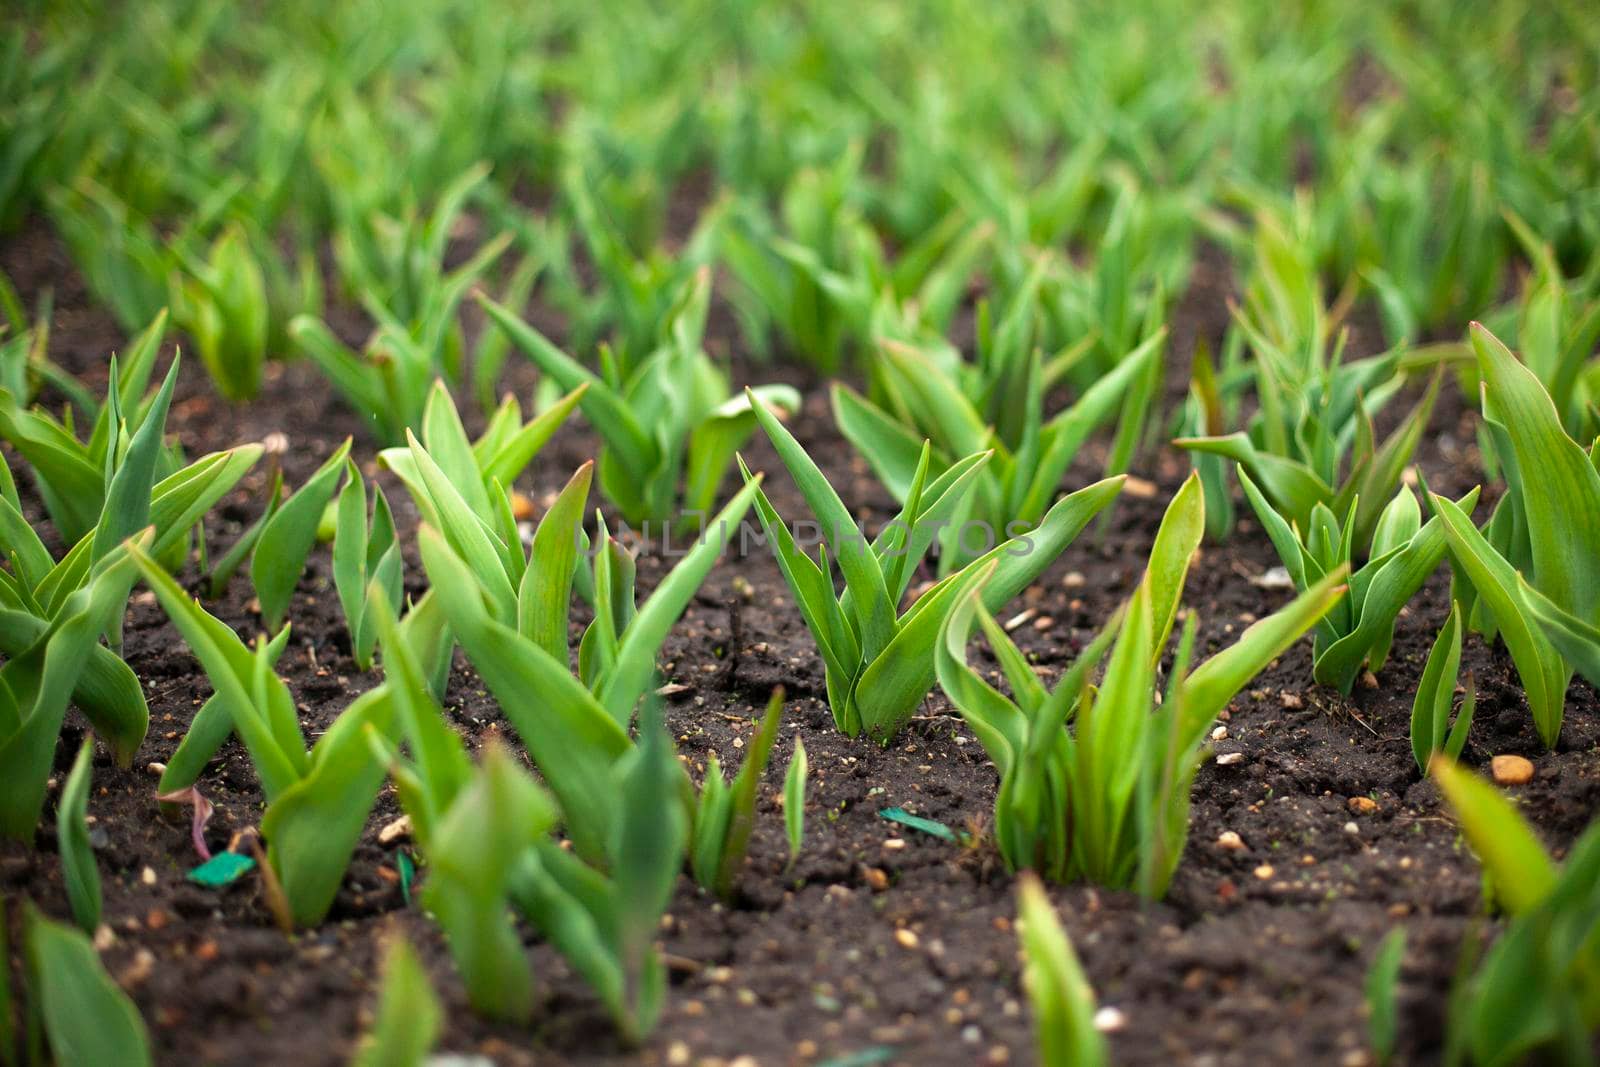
<point>1358,631</point>
<point>1311,440</point>
<point>397,270</point>
<point>482,832</point>
<point>124,456</point>
<point>1537,991</point>
<point>880,660</point>
<point>317,800</point>
<point>606,923</point>
<point>222,303</point>
<point>481,471</point>
<point>512,624</point>
<point>1094,780</point>
<point>995,407</point>
<point>670,425</point>
<point>54,656</point>
<point>1532,575</point>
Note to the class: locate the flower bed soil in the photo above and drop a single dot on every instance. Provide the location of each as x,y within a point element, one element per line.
<point>879,939</point>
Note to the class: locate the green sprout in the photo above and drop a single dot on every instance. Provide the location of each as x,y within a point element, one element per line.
<point>1095,780</point>
<point>1312,440</point>
<point>397,270</point>
<point>1542,598</point>
<point>725,815</point>
<point>794,800</point>
<point>1028,455</point>
<point>670,426</point>
<point>1062,999</point>
<point>317,800</point>
<point>223,304</point>
<point>1432,729</point>
<point>408,1016</point>
<point>78,868</point>
<point>366,558</point>
<point>1358,632</point>
<point>879,660</point>
<point>1536,994</point>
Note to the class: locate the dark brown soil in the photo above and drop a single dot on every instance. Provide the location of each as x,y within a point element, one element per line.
<point>1256,956</point>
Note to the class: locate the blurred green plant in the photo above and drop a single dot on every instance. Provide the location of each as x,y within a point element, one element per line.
<point>1536,993</point>
<point>1063,1001</point>
<point>86,1018</point>
<point>670,426</point>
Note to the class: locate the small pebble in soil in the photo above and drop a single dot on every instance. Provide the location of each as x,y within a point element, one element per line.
<point>1014,623</point>
<point>148,876</point>
<point>144,961</point>
<point>1362,805</point>
<point>907,938</point>
<point>1264,871</point>
<point>1511,770</point>
<point>1351,828</point>
<point>1109,1020</point>
<point>677,1054</point>
<point>1139,488</point>
<point>1230,841</point>
<point>1074,580</point>
<point>1293,701</point>
<point>1229,759</point>
<point>1219,734</point>
<point>157,769</point>
<point>395,830</point>
<point>1275,578</point>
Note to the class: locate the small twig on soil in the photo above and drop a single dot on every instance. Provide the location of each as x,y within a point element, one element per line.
<point>735,642</point>
<point>1363,723</point>
<point>937,716</point>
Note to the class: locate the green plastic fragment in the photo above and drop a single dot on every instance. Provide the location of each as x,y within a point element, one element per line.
<point>224,868</point>
<point>867,1056</point>
<point>408,872</point>
<point>917,822</point>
